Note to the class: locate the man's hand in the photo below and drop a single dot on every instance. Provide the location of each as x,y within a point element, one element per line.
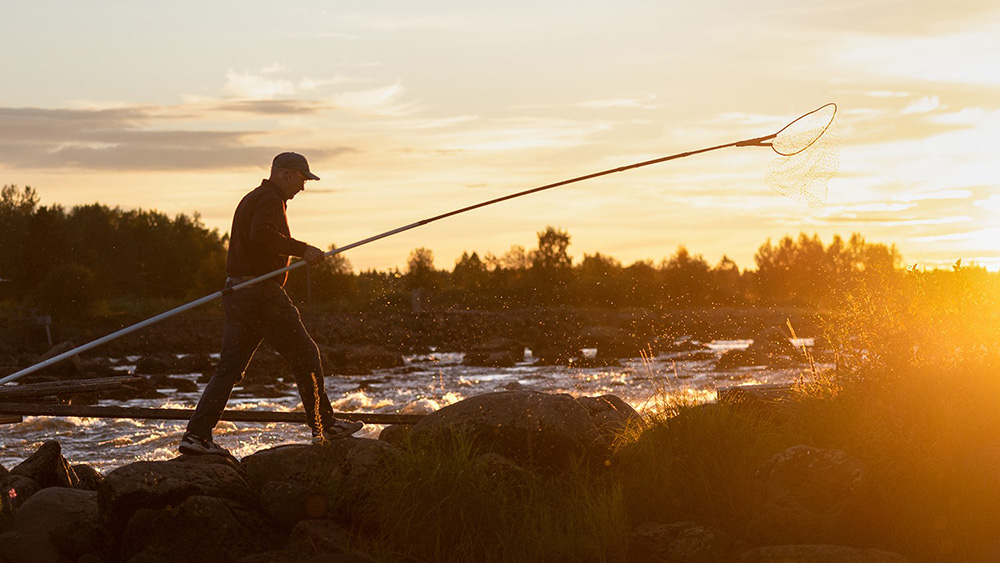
<point>314,255</point>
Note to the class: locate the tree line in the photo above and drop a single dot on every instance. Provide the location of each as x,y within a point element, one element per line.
<point>94,259</point>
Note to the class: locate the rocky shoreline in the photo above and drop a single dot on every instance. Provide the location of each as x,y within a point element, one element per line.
<point>314,502</point>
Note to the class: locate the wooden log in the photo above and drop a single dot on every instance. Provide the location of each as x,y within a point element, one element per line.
<point>70,387</point>
<point>87,411</point>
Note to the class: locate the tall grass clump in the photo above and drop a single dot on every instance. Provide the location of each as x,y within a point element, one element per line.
<point>697,463</point>
<point>918,401</point>
<point>454,504</point>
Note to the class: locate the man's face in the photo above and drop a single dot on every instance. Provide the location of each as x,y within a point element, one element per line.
<point>292,182</point>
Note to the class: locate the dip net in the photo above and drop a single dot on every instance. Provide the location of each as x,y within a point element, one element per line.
<point>809,155</point>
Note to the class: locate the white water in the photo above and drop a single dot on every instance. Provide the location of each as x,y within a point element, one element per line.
<point>424,384</point>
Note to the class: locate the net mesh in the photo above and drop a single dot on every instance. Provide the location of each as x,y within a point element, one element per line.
<point>805,175</point>
<point>800,134</point>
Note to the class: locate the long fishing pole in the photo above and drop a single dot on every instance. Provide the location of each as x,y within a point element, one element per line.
<point>791,139</point>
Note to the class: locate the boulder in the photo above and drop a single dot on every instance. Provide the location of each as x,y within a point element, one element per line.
<point>614,342</point>
<point>199,529</point>
<point>395,434</point>
<point>89,478</point>
<point>288,556</point>
<point>47,467</point>
<point>65,518</point>
<point>812,495</point>
<point>359,360</point>
<point>771,347</point>
<point>611,414</point>
<point>17,547</point>
<point>159,484</point>
<point>819,554</point>
<point>679,542</point>
<point>495,353</point>
<point>154,364</point>
<point>51,507</point>
<point>15,490</point>
<point>312,537</point>
<point>305,465</point>
<point>551,432</point>
<point>286,504</point>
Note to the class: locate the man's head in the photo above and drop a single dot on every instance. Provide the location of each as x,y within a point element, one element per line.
<point>289,170</point>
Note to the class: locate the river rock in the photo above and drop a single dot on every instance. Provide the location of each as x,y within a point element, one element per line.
<point>53,506</point>
<point>614,342</point>
<point>679,542</point>
<point>540,430</point>
<point>498,352</point>
<point>47,467</point>
<point>311,537</point>
<point>812,495</point>
<point>771,347</point>
<point>17,547</point>
<point>309,465</point>
<point>65,518</point>
<point>288,556</point>
<point>359,359</point>
<point>159,484</point>
<point>819,554</point>
<point>199,529</point>
<point>611,414</point>
<point>15,490</point>
<point>286,504</point>
<point>90,478</point>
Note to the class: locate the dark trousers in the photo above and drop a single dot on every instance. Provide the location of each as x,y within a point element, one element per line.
<point>260,312</point>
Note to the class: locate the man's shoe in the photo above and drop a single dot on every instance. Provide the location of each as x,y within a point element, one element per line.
<point>193,445</point>
<point>337,430</point>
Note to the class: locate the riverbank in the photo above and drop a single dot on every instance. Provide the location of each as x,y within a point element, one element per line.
<point>200,332</point>
<point>503,477</point>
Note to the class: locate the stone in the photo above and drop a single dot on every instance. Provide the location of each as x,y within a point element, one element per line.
<point>51,507</point>
<point>286,504</point>
<point>395,434</point>
<point>770,347</point>
<point>199,529</point>
<point>47,467</point>
<point>498,352</point>
<point>310,537</point>
<point>90,478</point>
<point>66,518</point>
<point>819,554</point>
<point>679,542</point>
<point>551,432</point>
<point>611,414</point>
<point>359,359</point>
<point>808,495</point>
<point>15,490</point>
<point>159,484</point>
<point>18,547</point>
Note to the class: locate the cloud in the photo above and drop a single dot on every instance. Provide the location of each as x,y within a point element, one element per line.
<point>127,138</point>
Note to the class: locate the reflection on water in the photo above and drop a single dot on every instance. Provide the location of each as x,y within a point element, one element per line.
<point>424,384</point>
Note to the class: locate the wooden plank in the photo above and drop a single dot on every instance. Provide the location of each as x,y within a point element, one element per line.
<point>88,411</point>
<point>70,387</point>
<point>8,419</point>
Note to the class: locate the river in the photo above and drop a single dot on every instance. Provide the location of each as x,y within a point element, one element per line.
<point>424,384</point>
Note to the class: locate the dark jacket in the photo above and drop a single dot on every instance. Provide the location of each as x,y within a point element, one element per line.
<point>260,241</point>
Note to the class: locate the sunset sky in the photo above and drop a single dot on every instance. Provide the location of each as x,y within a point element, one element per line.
<point>410,109</point>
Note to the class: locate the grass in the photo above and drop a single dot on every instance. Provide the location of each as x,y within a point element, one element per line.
<point>916,398</point>
<point>455,505</point>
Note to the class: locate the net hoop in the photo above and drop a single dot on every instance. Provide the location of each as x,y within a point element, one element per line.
<point>804,131</point>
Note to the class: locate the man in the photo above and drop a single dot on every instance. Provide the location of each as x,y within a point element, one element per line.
<point>260,242</point>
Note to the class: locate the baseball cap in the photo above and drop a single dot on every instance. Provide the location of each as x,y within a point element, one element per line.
<point>293,161</point>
